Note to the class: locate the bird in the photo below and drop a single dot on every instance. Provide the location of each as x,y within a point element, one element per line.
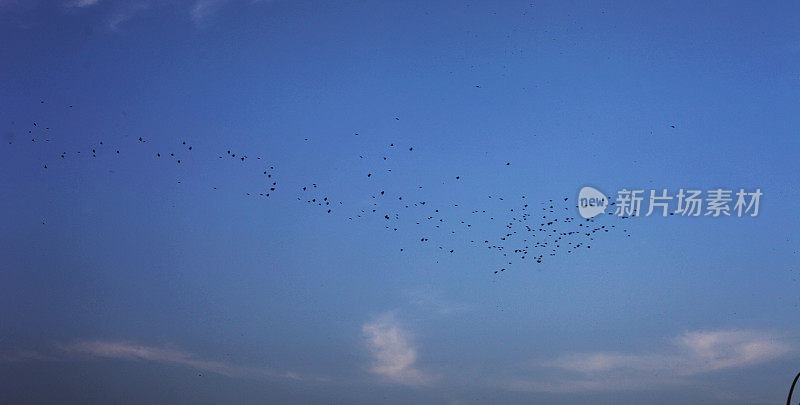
<point>529,232</point>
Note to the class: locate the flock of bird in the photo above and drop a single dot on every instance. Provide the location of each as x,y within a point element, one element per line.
<point>519,230</point>
<point>515,228</point>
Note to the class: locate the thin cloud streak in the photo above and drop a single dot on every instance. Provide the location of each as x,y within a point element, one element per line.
<point>202,9</point>
<point>120,350</point>
<point>83,3</point>
<point>689,354</point>
<point>126,12</point>
<point>129,351</point>
<point>117,12</point>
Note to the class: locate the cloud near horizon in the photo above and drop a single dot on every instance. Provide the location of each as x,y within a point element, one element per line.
<point>393,354</point>
<point>689,354</point>
<point>393,358</point>
<point>122,350</point>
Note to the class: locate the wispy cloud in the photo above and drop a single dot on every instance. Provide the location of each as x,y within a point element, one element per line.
<point>394,356</point>
<point>82,3</point>
<point>116,12</point>
<point>431,300</point>
<point>129,351</point>
<point>202,9</point>
<point>686,355</point>
<point>125,12</point>
<point>117,350</point>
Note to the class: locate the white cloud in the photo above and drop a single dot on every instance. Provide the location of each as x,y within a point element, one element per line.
<point>128,351</point>
<point>164,355</point>
<point>119,11</point>
<point>125,12</point>
<point>731,349</point>
<point>394,355</point>
<point>202,9</point>
<point>686,355</point>
<point>83,3</point>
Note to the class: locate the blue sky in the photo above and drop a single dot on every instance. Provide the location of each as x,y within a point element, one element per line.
<point>130,277</point>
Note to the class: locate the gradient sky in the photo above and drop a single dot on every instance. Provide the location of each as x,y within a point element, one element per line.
<point>120,285</point>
